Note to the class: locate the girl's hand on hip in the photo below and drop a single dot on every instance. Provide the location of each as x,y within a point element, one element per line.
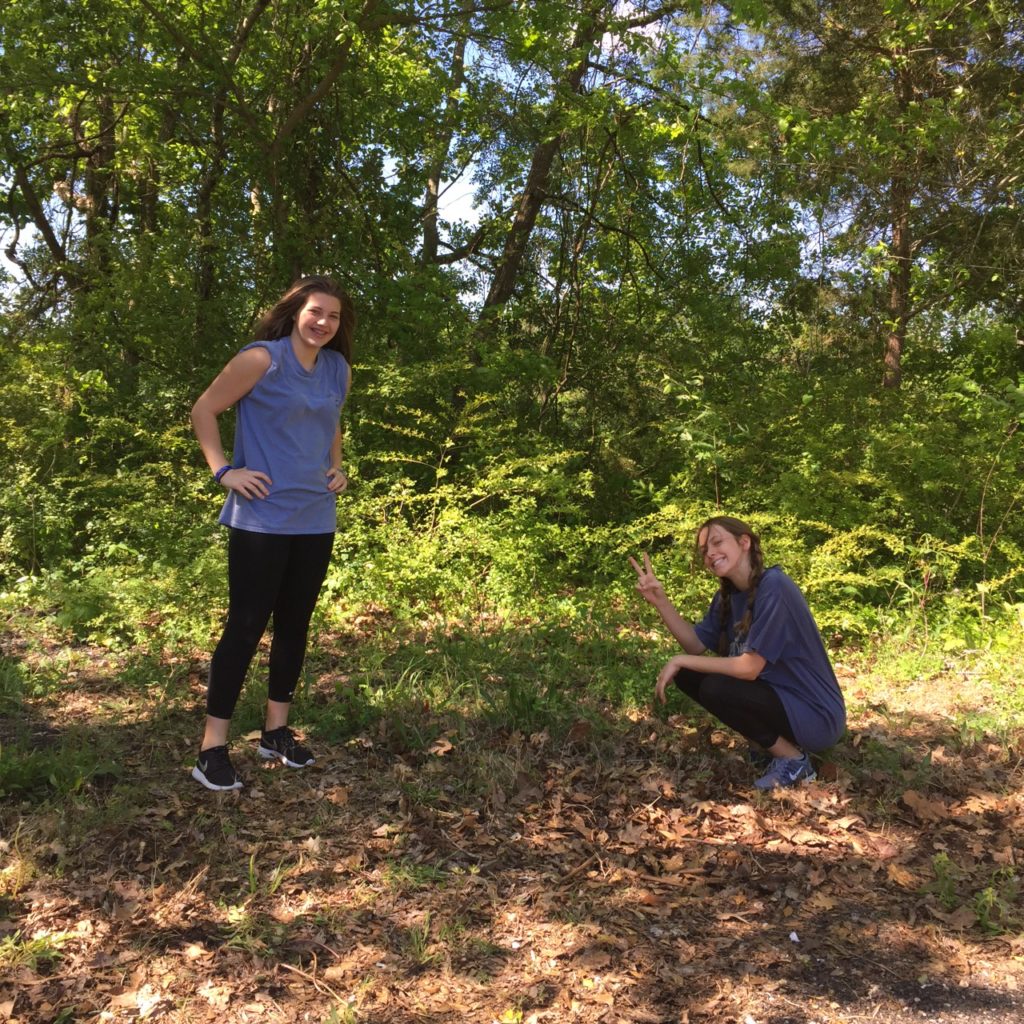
<point>249,483</point>
<point>666,675</point>
<point>647,584</point>
<point>336,480</point>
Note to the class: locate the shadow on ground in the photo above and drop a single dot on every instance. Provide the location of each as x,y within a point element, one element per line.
<point>438,867</point>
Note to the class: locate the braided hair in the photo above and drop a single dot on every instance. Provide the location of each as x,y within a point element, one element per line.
<point>726,587</point>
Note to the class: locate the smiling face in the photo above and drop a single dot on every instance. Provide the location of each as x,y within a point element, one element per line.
<point>726,555</point>
<point>315,324</point>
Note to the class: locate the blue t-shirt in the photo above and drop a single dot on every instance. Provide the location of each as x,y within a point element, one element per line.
<point>285,428</point>
<point>797,668</point>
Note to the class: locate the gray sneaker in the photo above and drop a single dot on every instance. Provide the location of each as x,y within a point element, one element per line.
<point>786,771</point>
<point>214,770</point>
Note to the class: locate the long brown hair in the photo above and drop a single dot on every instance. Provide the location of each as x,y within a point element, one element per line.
<point>280,318</point>
<point>727,588</point>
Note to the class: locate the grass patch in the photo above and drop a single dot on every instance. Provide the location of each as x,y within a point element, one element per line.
<point>37,953</point>
<point>59,771</point>
<point>408,876</point>
<point>525,678</point>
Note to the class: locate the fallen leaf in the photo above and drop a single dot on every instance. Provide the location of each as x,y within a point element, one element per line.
<point>884,850</point>
<point>124,911</point>
<point>819,901</point>
<point>633,837</point>
<point>442,745</point>
<point>961,919</point>
<point>804,837</point>
<point>848,822</point>
<point>526,789</point>
<point>579,731</point>
<point>901,876</point>
<point>595,959</point>
<point>216,995</point>
<point>925,809</point>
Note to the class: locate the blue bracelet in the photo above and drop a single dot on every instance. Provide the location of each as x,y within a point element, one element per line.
<point>220,472</point>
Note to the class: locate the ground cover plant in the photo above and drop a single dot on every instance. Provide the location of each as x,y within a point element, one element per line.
<point>489,835</point>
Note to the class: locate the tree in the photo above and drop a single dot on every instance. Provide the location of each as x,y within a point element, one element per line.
<point>904,118</point>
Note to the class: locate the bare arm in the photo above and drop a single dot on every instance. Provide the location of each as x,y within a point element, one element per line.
<point>336,449</point>
<point>337,479</point>
<point>234,382</point>
<point>748,665</point>
<point>651,590</point>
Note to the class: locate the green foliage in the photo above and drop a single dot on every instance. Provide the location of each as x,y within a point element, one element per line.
<point>998,904</point>
<point>260,887</point>
<point>62,770</point>
<point>995,905</point>
<point>407,875</point>
<point>694,325</point>
<point>945,884</point>
<point>35,953</point>
<point>341,1013</point>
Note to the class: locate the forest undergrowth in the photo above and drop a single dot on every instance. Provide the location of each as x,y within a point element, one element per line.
<point>498,828</point>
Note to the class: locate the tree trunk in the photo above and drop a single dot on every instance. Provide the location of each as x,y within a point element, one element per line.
<point>899,284</point>
<point>100,204</point>
<point>535,193</point>
<point>900,249</point>
<point>205,242</point>
<point>439,157</point>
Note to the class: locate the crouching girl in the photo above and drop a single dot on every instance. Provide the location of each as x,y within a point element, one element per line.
<point>773,681</point>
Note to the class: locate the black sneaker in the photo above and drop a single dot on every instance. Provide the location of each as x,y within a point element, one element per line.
<point>281,745</point>
<point>215,771</point>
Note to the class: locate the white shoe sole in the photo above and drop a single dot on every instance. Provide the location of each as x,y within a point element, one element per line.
<point>203,780</point>
<point>275,755</point>
<point>791,785</point>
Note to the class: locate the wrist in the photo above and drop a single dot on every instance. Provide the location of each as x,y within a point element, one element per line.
<point>219,475</point>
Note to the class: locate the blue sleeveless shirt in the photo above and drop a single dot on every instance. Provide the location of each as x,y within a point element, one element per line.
<point>285,427</point>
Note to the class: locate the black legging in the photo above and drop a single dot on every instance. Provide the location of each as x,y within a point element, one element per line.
<point>268,573</point>
<point>750,706</point>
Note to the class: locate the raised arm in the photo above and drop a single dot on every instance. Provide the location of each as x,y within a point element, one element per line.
<point>650,589</point>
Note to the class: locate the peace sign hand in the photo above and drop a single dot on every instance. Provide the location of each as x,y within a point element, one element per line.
<point>647,584</point>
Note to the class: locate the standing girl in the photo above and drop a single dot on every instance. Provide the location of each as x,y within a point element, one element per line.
<point>282,482</point>
<point>773,682</point>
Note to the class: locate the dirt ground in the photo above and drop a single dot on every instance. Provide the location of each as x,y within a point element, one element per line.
<point>627,873</point>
